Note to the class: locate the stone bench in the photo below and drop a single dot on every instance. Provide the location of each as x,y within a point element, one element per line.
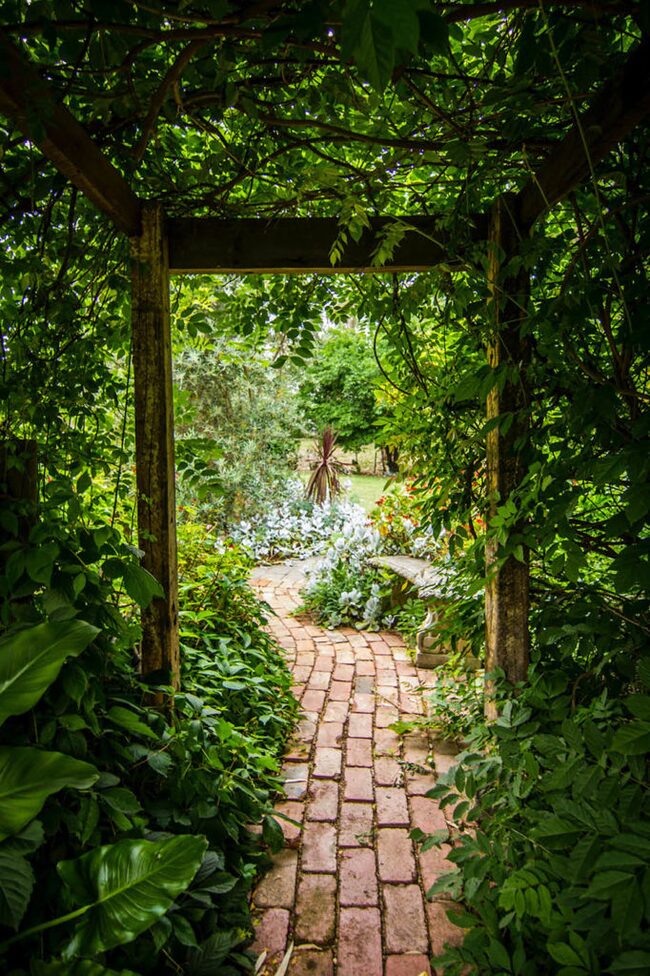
<point>429,583</point>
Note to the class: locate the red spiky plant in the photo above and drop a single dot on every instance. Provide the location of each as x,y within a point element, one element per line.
<point>323,482</point>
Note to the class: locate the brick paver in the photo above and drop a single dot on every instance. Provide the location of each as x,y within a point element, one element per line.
<point>348,890</point>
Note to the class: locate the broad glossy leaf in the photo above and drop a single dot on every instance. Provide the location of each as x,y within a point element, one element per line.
<point>16,883</point>
<point>127,887</point>
<point>28,776</point>
<point>31,659</point>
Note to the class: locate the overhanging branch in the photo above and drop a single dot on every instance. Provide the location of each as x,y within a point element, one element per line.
<point>29,103</point>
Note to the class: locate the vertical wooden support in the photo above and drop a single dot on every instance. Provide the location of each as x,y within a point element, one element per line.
<point>506,595</point>
<point>154,435</point>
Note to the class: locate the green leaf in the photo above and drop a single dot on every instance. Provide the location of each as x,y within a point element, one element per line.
<point>128,720</point>
<point>140,585</point>
<point>633,739</point>
<point>639,705</point>
<point>633,963</point>
<point>400,17</point>
<point>29,776</point>
<point>121,799</point>
<point>209,956</point>
<point>81,967</point>
<point>434,31</point>
<point>627,912</point>
<point>16,883</point>
<point>125,887</point>
<point>272,834</point>
<point>31,659</point>
<point>564,954</point>
<point>368,39</point>
<point>184,931</point>
<point>40,562</point>
<point>608,885</point>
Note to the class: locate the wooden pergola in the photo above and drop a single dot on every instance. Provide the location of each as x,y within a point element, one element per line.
<point>161,247</point>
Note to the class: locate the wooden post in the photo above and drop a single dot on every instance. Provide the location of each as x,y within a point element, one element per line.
<point>154,435</point>
<point>506,595</point>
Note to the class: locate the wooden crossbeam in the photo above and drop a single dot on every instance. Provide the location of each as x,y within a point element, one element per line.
<point>29,103</point>
<point>617,109</point>
<point>300,245</point>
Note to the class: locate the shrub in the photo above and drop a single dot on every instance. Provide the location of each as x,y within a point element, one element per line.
<point>294,527</point>
<point>554,878</point>
<point>131,789</point>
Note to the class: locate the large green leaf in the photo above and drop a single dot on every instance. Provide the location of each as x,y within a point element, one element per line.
<point>31,659</point>
<point>29,776</point>
<point>82,967</point>
<point>125,887</point>
<point>16,883</point>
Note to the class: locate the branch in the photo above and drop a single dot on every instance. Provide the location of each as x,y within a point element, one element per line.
<point>170,79</point>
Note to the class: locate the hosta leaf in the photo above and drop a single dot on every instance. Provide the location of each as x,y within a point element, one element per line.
<point>16,883</point>
<point>126,887</point>
<point>29,776</point>
<point>31,659</point>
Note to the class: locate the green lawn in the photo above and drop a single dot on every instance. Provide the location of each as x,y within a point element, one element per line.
<point>366,489</point>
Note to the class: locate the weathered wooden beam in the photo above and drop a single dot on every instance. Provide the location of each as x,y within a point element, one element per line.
<point>507,591</point>
<point>621,104</point>
<point>154,439</point>
<point>300,245</point>
<point>26,99</point>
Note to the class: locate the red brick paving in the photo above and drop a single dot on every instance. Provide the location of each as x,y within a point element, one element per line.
<point>348,890</point>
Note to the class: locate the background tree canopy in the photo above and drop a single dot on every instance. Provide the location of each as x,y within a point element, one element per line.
<point>338,388</point>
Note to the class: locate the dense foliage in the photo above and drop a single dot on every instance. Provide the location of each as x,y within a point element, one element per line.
<point>76,719</point>
<point>237,426</point>
<point>338,388</point>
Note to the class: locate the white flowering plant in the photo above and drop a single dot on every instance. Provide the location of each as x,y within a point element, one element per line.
<point>344,587</point>
<point>296,527</point>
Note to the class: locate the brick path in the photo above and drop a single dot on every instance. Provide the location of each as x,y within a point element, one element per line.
<point>348,888</point>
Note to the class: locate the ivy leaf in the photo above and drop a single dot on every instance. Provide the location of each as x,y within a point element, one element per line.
<point>125,888</point>
<point>31,659</point>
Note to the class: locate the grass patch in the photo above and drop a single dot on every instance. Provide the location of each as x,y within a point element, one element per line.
<point>366,489</point>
